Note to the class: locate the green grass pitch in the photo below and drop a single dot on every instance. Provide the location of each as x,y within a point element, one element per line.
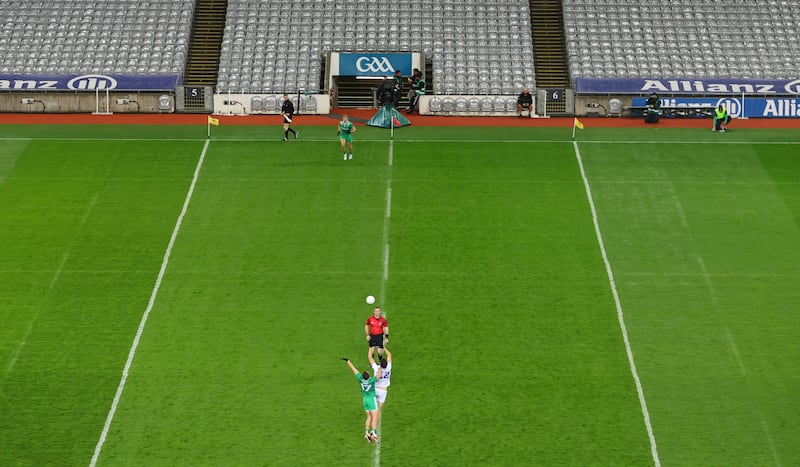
<point>507,342</point>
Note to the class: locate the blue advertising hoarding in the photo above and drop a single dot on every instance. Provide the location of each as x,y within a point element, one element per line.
<point>769,107</point>
<point>706,86</point>
<point>374,64</point>
<point>87,82</point>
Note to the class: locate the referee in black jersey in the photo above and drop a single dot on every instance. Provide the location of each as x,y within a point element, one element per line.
<point>287,110</point>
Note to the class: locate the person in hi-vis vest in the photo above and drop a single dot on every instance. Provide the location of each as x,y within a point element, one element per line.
<point>721,119</point>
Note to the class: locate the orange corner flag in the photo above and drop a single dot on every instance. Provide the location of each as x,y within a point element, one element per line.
<point>213,121</point>
<point>578,124</point>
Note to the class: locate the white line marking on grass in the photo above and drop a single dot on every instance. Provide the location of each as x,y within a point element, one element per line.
<point>53,282</point>
<point>387,216</point>
<point>728,335</point>
<point>140,329</point>
<point>32,323</point>
<point>739,362</point>
<point>618,304</point>
<point>715,302</point>
<point>470,141</point>
<point>678,206</point>
<point>770,442</point>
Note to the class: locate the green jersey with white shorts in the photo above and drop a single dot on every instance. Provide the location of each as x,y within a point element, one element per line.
<point>368,392</point>
<point>346,130</point>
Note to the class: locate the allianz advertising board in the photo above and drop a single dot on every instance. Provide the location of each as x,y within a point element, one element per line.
<point>88,82</point>
<point>770,107</point>
<point>706,86</point>
<point>377,65</point>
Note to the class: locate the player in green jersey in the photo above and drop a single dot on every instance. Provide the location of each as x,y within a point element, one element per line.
<point>346,130</point>
<point>370,401</point>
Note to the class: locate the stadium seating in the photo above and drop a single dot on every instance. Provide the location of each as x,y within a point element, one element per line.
<point>476,46</point>
<point>683,38</point>
<point>87,36</point>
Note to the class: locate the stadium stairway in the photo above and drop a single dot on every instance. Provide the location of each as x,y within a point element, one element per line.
<point>549,44</point>
<point>202,62</point>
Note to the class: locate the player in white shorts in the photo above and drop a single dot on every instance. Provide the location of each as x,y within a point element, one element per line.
<point>384,380</point>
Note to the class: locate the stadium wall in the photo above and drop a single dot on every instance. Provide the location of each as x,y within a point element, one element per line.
<point>86,102</point>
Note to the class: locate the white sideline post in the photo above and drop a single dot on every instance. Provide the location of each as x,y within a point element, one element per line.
<point>545,104</point>
<point>743,114</point>
<point>97,103</point>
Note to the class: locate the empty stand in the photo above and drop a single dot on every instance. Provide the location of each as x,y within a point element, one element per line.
<point>87,36</point>
<point>475,47</point>
<point>683,38</point>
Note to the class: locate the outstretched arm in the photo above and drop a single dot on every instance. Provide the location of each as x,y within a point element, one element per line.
<point>369,357</point>
<point>350,364</point>
<point>388,354</point>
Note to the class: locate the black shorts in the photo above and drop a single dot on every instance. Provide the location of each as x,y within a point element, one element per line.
<point>376,340</point>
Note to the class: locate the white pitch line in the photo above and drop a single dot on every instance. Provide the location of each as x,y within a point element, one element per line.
<point>424,141</point>
<point>678,206</point>
<point>387,216</point>
<point>715,302</point>
<point>620,316</point>
<point>132,353</point>
<point>770,442</point>
<point>52,284</point>
<point>728,335</point>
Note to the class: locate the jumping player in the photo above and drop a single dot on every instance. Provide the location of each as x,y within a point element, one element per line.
<point>370,401</point>
<point>385,368</point>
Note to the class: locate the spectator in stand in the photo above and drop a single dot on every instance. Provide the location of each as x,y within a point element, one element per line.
<point>418,89</point>
<point>525,102</point>
<point>652,110</point>
<point>397,88</point>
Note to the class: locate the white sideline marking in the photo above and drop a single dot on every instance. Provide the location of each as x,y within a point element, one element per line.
<point>140,330</point>
<point>618,304</point>
<point>322,140</point>
<point>387,215</point>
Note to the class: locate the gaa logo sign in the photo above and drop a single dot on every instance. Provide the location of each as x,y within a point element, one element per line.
<point>374,64</point>
<point>92,82</point>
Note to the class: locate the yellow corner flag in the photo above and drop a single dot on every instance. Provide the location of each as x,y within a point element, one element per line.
<point>578,123</point>
<point>215,121</point>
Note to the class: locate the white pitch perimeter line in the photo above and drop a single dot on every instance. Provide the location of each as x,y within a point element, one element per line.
<point>387,216</point>
<point>143,322</point>
<point>423,141</point>
<point>620,316</point>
